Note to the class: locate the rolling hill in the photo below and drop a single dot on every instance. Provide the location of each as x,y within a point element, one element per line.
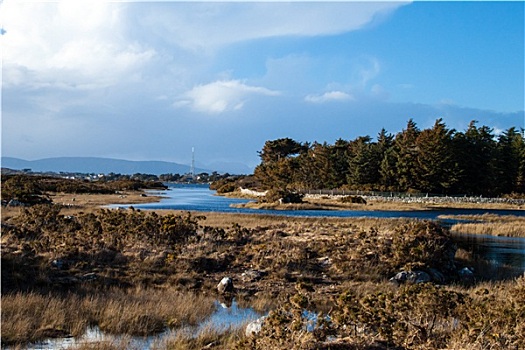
<point>98,166</point>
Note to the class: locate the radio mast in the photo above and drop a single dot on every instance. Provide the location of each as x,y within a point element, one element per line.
<point>192,169</point>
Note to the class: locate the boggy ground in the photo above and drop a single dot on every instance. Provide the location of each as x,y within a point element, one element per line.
<point>134,272</point>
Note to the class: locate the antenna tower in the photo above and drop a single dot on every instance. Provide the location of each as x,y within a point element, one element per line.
<point>192,169</point>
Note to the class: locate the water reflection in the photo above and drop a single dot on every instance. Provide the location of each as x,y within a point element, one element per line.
<point>495,249</point>
<point>227,316</point>
<point>201,198</point>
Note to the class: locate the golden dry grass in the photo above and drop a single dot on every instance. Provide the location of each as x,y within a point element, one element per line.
<point>487,224</point>
<point>139,311</point>
<point>289,249</point>
<point>75,203</point>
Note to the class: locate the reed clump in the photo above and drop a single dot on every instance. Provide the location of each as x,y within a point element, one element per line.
<point>29,317</point>
<point>494,225</point>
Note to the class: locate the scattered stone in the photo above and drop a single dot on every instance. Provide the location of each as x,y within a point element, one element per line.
<point>411,277</point>
<point>89,277</point>
<point>324,261</point>
<point>59,264</point>
<point>254,327</point>
<point>437,277</point>
<point>252,275</point>
<point>466,274</point>
<point>15,203</point>
<point>225,285</point>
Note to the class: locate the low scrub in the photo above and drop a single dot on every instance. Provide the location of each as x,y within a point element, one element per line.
<point>138,273</point>
<point>416,316</point>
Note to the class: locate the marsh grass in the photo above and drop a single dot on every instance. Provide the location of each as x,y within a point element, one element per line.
<point>207,338</point>
<point>508,227</point>
<point>29,317</point>
<point>114,344</point>
<point>172,253</point>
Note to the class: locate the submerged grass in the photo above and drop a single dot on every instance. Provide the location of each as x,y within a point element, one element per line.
<point>29,317</point>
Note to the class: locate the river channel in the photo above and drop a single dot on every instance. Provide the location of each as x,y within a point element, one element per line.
<point>497,250</point>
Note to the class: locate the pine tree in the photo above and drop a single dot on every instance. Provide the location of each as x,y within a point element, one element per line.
<point>405,156</point>
<point>363,166</point>
<point>382,156</point>
<point>475,154</point>
<point>435,164</point>
<point>509,161</point>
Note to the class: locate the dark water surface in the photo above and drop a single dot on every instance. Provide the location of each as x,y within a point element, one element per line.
<point>499,250</point>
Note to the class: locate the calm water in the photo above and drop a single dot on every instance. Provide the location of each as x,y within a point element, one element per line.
<point>225,317</point>
<point>201,198</point>
<point>499,250</point>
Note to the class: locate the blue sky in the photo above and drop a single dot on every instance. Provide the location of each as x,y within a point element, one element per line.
<point>151,80</point>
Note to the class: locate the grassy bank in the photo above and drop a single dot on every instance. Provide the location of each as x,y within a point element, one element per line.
<point>135,311</point>
<point>137,273</point>
<point>487,224</point>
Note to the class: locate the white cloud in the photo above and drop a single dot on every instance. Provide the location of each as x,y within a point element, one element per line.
<point>329,96</point>
<point>221,96</point>
<point>210,25</point>
<point>68,44</point>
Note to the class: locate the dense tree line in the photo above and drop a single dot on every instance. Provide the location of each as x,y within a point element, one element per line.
<point>435,160</point>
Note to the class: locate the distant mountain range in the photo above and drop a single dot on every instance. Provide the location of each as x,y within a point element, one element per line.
<point>96,165</point>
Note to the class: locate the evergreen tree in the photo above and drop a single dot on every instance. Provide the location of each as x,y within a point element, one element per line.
<point>382,155</point>
<point>362,167</point>
<point>339,154</point>
<point>509,161</point>
<point>475,150</point>
<point>315,167</point>
<point>435,163</point>
<point>405,157</point>
<point>279,164</point>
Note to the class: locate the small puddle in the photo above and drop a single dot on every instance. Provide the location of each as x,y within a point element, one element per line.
<point>225,318</point>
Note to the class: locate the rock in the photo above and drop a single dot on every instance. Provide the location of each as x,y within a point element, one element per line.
<point>59,264</point>
<point>252,275</point>
<point>89,277</point>
<point>411,277</point>
<point>15,203</point>
<point>437,277</point>
<point>324,261</point>
<point>466,274</point>
<point>225,285</point>
<point>254,327</point>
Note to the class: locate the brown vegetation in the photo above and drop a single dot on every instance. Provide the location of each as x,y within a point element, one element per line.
<point>495,225</point>
<point>137,311</point>
<point>139,273</point>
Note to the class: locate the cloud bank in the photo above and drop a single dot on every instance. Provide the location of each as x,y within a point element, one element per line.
<point>151,80</point>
